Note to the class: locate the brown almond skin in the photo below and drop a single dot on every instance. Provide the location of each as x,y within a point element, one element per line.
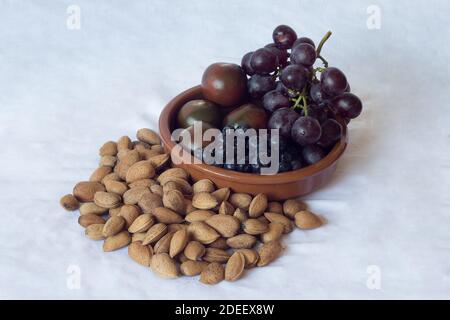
<point>143,183</point>
<point>226,225</point>
<point>140,170</point>
<point>212,274</point>
<point>235,266</point>
<point>172,172</point>
<point>116,242</point>
<point>88,219</point>
<point>95,231</point>
<point>199,215</point>
<point>116,187</point>
<point>240,214</point>
<point>167,216</point>
<point>251,257</point>
<point>216,255</point>
<point>114,212</point>
<point>113,226</point>
<point>163,244</point>
<point>193,268</point>
<point>203,233</point>
<point>194,250</point>
<point>220,243</point>
<point>174,200</point>
<point>276,217</point>
<point>241,200</point>
<point>107,161</point>
<point>269,252</point>
<point>204,185</point>
<point>221,194</point>
<point>275,207</point>
<point>69,202</point>
<point>155,233</point>
<point>91,208</point>
<point>257,206</point>
<point>307,220</point>
<point>85,191</point>
<point>124,143</point>
<point>178,242</point>
<point>107,200</point>
<point>226,208</point>
<point>164,266</point>
<point>241,241</point>
<point>133,195</point>
<point>149,202</point>
<point>108,149</point>
<point>140,253</point>
<point>100,173</point>
<point>292,206</point>
<point>141,223</point>
<point>129,213</point>
<point>255,227</point>
<point>204,201</point>
<point>275,232</point>
<point>148,136</point>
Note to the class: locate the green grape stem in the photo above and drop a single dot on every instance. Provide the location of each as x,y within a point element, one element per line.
<point>322,42</point>
<point>301,102</point>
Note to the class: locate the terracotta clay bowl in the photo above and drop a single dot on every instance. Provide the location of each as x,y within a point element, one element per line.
<point>278,187</point>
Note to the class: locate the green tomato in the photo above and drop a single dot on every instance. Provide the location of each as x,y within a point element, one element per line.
<point>199,110</point>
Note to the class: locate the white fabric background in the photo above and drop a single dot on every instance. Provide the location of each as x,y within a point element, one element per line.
<point>64,92</point>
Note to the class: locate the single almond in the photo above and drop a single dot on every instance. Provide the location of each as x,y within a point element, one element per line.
<point>164,266</point>
<point>112,176</point>
<point>204,185</point>
<point>167,216</point>
<point>108,149</point>
<point>199,215</point>
<point>133,195</point>
<point>142,223</point>
<point>226,225</point>
<point>241,241</point>
<point>292,206</point>
<point>113,226</point>
<point>148,136</point>
<point>100,173</point>
<point>275,207</point>
<point>212,274</point>
<point>279,218</point>
<point>91,208</point>
<point>220,243</point>
<point>226,208</point>
<point>204,201</point>
<point>221,194</point>
<point>257,206</point>
<point>178,242</point>
<point>172,183</point>
<point>235,267</point>
<point>192,268</point>
<point>241,200</point>
<point>149,202</point>
<point>240,214</point>
<point>118,241</point>
<point>124,143</point>
<point>107,199</point>
<point>95,231</point>
<point>116,187</point>
<point>163,244</point>
<point>155,233</point>
<point>174,200</point>
<point>203,233</point>
<point>160,161</point>
<point>69,202</point>
<point>140,170</point>
<point>251,257</point>
<point>194,250</point>
<point>107,161</point>
<point>130,213</point>
<point>121,170</point>
<point>140,253</point>
<point>269,252</point>
<point>275,232</point>
<point>85,191</point>
<point>88,219</point>
<point>172,173</point>
<point>255,227</point>
<point>307,220</point>
<point>216,255</point>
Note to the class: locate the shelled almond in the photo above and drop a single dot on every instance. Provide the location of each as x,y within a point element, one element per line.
<point>135,199</point>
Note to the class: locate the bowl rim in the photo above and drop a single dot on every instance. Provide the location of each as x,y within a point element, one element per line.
<point>285,177</point>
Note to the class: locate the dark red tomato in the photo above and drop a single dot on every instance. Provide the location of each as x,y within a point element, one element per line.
<point>199,110</point>
<point>248,114</point>
<point>224,84</point>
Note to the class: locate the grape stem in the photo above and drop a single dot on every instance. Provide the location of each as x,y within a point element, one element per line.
<point>322,42</point>
<point>301,102</point>
<point>325,62</point>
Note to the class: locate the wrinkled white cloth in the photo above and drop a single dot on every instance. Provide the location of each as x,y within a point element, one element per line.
<point>63,92</point>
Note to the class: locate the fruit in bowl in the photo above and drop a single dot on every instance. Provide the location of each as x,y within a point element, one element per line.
<point>284,103</point>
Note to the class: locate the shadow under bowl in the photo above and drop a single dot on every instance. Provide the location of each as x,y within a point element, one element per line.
<point>280,186</point>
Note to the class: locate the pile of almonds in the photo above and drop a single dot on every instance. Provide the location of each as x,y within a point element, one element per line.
<point>135,199</point>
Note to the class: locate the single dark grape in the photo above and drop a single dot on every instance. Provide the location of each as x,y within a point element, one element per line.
<point>264,61</point>
<point>316,93</point>
<point>331,132</point>
<point>304,54</point>
<point>317,112</point>
<point>245,64</point>
<point>333,81</point>
<point>258,85</point>
<point>303,40</point>
<point>306,130</point>
<point>274,100</point>
<point>281,54</point>
<point>347,105</point>
<point>283,120</point>
<point>312,154</point>
<point>284,36</point>
<point>294,77</point>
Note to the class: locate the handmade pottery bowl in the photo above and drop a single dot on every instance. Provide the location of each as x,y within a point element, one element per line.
<point>277,187</point>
